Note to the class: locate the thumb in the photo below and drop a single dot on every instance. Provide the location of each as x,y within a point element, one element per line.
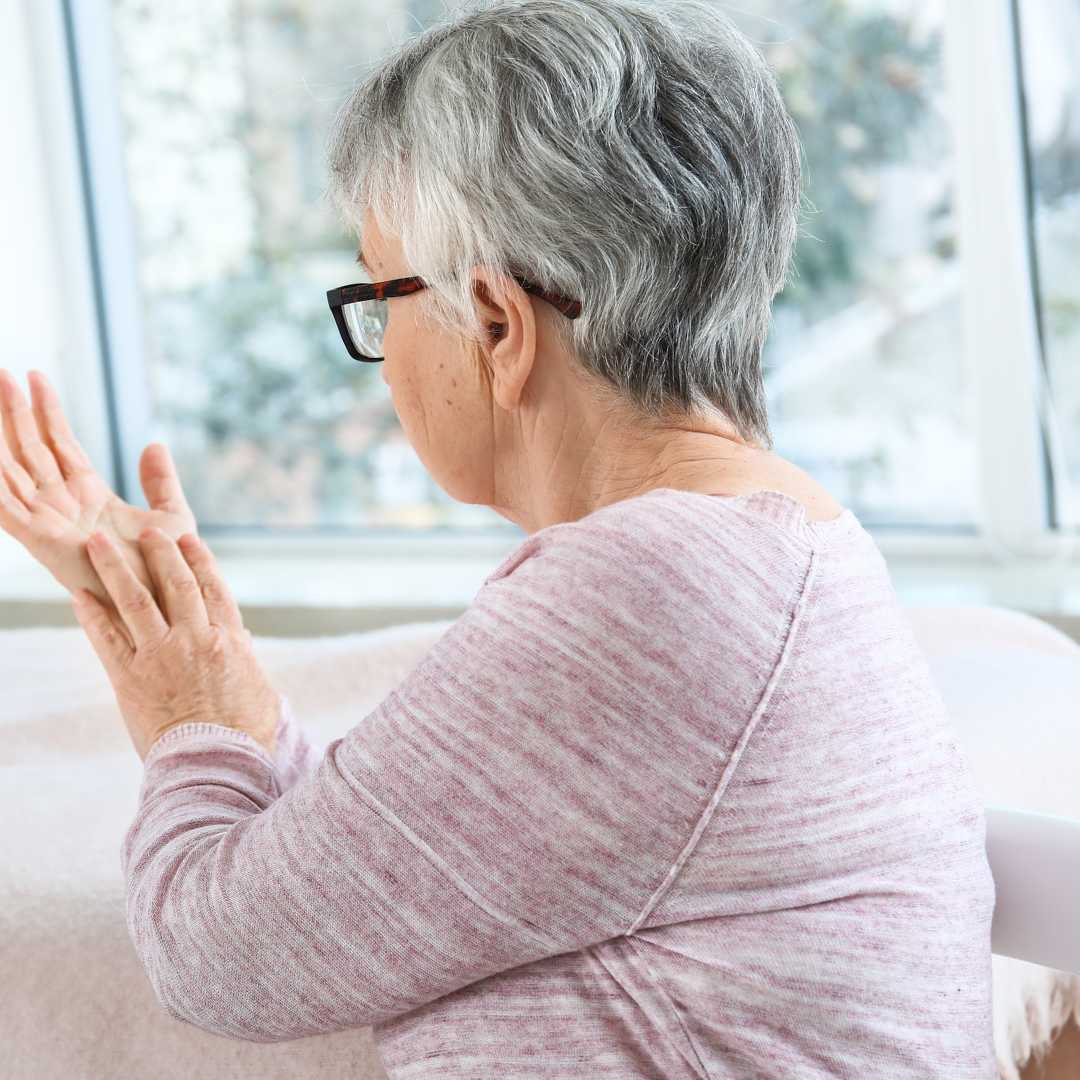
<point>160,481</point>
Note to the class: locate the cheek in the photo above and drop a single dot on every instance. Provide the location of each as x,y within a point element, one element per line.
<point>427,405</point>
<point>449,401</point>
<point>410,410</point>
<point>441,407</point>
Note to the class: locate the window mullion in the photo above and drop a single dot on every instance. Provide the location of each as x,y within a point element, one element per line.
<point>999,313</point>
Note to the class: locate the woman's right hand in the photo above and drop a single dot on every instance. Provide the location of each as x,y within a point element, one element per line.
<point>52,498</point>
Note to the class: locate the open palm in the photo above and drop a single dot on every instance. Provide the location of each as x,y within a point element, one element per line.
<point>52,498</point>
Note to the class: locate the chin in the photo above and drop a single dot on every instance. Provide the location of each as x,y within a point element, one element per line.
<point>506,513</point>
<point>456,488</point>
<point>461,491</point>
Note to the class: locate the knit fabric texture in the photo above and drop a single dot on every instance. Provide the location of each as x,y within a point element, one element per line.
<point>675,797</point>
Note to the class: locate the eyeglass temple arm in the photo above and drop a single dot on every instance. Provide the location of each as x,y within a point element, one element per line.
<point>570,308</point>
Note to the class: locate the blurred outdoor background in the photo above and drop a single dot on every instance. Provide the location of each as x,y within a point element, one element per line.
<point>224,107</point>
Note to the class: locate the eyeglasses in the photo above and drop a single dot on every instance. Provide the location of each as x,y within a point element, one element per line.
<point>360,310</point>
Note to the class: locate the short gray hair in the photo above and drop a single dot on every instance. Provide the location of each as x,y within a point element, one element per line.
<point>635,155</point>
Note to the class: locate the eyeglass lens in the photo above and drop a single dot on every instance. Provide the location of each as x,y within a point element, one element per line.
<point>366,321</point>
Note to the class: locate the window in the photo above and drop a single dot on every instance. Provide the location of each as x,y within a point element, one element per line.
<point>875,376</point>
<point>1049,42</point>
<point>867,386</point>
<point>225,109</point>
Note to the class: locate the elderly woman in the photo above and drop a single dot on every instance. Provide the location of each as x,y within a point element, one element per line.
<point>676,796</point>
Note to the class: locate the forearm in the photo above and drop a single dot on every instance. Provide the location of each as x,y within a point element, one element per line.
<point>297,754</point>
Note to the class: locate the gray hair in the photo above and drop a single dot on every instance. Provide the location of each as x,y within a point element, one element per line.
<point>635,155</point>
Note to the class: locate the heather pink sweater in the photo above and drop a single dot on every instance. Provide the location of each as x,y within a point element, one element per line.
<point>676,797</point>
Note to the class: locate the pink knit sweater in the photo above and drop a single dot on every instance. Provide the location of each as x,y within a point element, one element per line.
<point>676,797</point>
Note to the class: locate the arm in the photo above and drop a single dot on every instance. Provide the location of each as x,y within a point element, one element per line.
<point>486,814</point>
<point>297,755</point>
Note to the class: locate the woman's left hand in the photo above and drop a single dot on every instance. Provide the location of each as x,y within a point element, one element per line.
<point>192,662</point>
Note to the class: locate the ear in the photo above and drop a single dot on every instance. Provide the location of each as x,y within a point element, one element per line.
<point>509,350</point>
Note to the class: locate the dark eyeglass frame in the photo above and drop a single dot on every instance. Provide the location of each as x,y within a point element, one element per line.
<point>385,290</point>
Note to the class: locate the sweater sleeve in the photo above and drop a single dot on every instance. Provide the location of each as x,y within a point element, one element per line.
<point>297,753</point>
<point>486,814</point>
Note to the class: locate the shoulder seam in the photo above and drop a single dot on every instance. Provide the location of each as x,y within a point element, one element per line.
<point>740,746</point>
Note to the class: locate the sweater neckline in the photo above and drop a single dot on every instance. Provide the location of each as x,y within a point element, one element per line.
<point>779,507</point>
<point>776,506</point>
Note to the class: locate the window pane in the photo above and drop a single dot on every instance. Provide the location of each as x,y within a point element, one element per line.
<point>1050,49</point>
<point>865,361</point>
<point>226,109</point>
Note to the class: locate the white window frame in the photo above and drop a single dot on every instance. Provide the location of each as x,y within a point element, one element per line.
<point>1000,327</point>
<point>1001,341</point>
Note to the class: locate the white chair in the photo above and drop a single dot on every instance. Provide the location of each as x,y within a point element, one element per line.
<point>1035,860</point>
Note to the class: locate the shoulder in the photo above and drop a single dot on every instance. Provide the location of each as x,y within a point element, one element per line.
<point>641,602</point>
<point>667,561</point>
<point>611,541</point>
<point>660,527</point>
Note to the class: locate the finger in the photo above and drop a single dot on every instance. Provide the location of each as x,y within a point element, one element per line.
<point>51,422</point>
<point>112,647</point>
<point>114,617</point>
<point>221,606</point>
<point>142,617</point>
<point>160,481</point>
<point>176,583</point>
<point>19,480</point>
<point>23,437</point>
<point>15,517</point>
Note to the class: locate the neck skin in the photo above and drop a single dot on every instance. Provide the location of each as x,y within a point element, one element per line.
<point>684,460</point>
<point>585,459</point>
